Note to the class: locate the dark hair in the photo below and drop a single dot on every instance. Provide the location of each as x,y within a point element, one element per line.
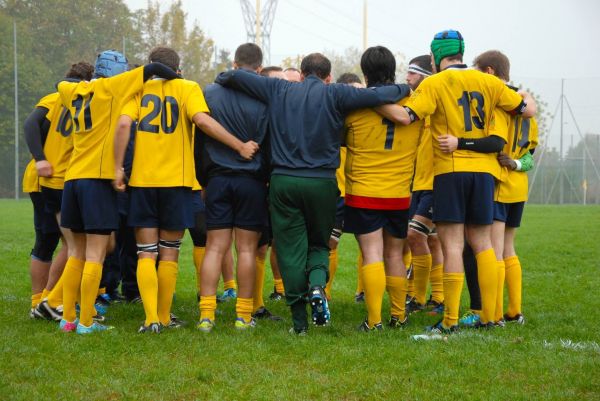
<point>80,70</point>
<point>495,59</point>
<point>248,55</point>
<point>423,61</point>
<point>165,55</point>
<point>348,78</point>
<point>378,65</point>
<point>316,64</point>
<point>265,72</point>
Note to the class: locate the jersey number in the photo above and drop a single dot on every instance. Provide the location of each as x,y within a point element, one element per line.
<point>524,124</point>
<point>465,102</point>
<point>389,133</point>
<point>65,123</point>
<point>159,107</point>
<point>83,103</point>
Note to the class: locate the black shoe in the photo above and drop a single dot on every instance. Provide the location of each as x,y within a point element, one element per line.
<point>99,318</point>
<point>301,332</point>
<point>364,326</point>
<point>264,313</point>
<point>320,308</point>
<point>413,306</point>
<point>134,300</point>
<point>439,328</point>
<point>484,326</point>
<point>396,323</point>
<point>276,296</point>
<point>46,310</point>
<point>154,328</point>
<point>518,318</point>
<point>360,297</point>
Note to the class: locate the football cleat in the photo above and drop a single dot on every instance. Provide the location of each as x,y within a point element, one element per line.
<point>68,327</point>
<point>439,328</point>
<point>153,328</point>
<point>264,313</point>
<point>302,332</point>
<point>45,311</point>
<point>94,328</point>
<point>276,296</point>
<point>437,309</point>
<point>241,324</point>
<point>175,322</point>
<point>320,307</point>
<point>469,319</point>
<point>360,297</point>
<point>364,326</point>
<point>518,319</point>
<point>205,325</point>
<point>484,326</point>
<point>396,323</point>
<point>228,294</point>
<point>413,306</point>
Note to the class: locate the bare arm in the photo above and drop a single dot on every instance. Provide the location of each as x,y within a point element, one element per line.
<point>122,134</point>
<point>394,113</point>
<point>531,108</point>
<point>212,128</point>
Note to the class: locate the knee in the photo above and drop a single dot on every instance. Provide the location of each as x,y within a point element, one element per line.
<point>45,244</point>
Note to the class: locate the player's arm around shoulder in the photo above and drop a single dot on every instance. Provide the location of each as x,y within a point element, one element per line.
<point>211,127</point>
<point>129,113</point>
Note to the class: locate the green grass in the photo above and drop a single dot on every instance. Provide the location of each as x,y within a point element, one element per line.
<point>560,252</point>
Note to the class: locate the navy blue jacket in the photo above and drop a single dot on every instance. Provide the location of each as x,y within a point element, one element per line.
<point>244,117</point>
<point>306,119</point>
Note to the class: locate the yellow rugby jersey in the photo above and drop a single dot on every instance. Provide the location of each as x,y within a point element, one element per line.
<point>423,179</point>
<point>380,160</point>
<point>30,178</point>
<point>340,176</point>
<point>164,142</point>
<point>59,144</point>
<point>461,102</point>
<point>523,136</point>
<point>94,107</point>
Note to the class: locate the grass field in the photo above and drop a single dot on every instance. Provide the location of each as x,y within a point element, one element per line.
<point>555,356</point>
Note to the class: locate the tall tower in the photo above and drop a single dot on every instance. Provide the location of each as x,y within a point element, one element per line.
<point>259,23</point>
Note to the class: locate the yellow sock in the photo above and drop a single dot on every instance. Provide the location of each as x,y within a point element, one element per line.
<point>410,285</point>
<point>421,267</point>
<point>436,279</point>
<point>243,308</point>
<point>90,280</point>
<point>147,280</point>
<point>396,287</point>
<point>167,280</point>
<point>487,274</point>
<point>55,296</point>
<point>208,306</point>
<point>45,293</point>
<point>229,285</point>
<point>407,258</point>
<point>333,263</point>
<point>198,256</point>
<point>71,285</point>
<point>513,285</point>
<point>36,299</point>
<point>453,283</point>
<point>101,290</point>
<point>359,282</point>
<point>279,285</point>
<point>500,292</point>
<point>259,283</point>
<point>374,281</point>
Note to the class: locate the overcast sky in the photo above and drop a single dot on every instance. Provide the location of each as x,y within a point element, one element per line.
<point>546,40</point>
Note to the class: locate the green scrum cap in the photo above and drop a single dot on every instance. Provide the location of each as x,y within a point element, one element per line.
<point>447,43</point>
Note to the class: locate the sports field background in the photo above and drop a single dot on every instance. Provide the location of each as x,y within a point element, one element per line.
<point>555,356</point>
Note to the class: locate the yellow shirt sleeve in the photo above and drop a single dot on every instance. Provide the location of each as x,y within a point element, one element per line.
<point>423,101</point>
<point>196,102</point>
<point>132,108</point>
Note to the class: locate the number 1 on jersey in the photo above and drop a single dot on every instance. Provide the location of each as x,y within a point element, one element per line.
<point>389,133</point>
<point>465,102</point>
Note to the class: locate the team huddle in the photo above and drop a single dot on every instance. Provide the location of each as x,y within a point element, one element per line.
<point>430,177</point>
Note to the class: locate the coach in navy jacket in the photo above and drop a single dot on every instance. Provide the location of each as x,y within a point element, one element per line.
<point>306,122</point>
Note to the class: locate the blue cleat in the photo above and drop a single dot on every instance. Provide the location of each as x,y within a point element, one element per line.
<point>320,307</point>
<point>95,327</point>
<point>228,294</point>
<point>469,319</point>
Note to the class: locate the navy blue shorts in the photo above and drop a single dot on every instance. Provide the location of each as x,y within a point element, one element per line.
<point>197,202</point>
<point>363,221</point>
<point>89,206</point>
<point>43,220</point>
<point>421,204</point>
<point>463,198</point>
<point>167,208</point>
<point>339,214</point>
<point>509,213</point>
<point>52,199</point>
<point>236,201</point>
